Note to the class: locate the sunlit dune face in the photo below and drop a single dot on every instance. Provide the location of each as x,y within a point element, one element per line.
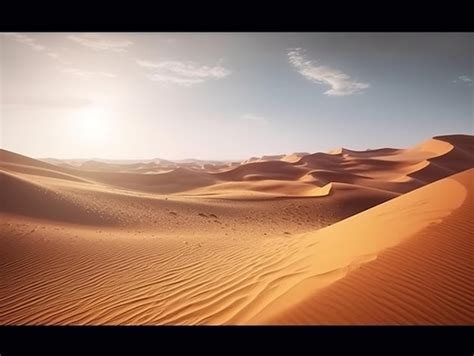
<point>92,123</point>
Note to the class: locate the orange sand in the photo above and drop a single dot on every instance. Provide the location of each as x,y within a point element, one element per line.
<point>379,236</point>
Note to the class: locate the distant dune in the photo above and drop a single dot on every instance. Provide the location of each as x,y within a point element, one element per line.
<point>381,236</point>
<point>393,170</point>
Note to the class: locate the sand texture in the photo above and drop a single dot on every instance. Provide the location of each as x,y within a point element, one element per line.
<point>382,236</point>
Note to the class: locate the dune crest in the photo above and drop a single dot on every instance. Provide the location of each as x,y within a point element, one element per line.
<point>344,246</point>
<point>426,279</point>
<point>272,241</point>
<point>392,170</point>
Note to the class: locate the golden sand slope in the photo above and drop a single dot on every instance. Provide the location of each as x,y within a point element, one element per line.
<point>427,279</point>
<point>70,274</point>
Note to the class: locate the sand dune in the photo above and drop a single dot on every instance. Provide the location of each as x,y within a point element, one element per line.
<point>262,189</point>
<point>272,241</point>
<point>294,157</point>
<point>262,170</point>
<point>393,170</point>
<point>26,197</point>
<point>112,277</point>
<point>176,180</point>
<point>15,158</point>
<point>426,279</point>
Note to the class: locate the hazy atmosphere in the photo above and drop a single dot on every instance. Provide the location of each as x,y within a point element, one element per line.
<point>230,95</point>
<point>236,179</point>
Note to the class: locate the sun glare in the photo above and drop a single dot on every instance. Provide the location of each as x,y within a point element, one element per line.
<point>92,123</point>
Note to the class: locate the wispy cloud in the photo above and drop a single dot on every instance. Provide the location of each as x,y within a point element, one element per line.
<point>27,40</point>
<point>464,79</point>
<point>100,43</point>
<point>182,73</point>
<point>86,74</point>
<point>340,83</point>
<point>35,45</point>
<point>253,117</point>
<point>65,66</point>
<point>53,55</point>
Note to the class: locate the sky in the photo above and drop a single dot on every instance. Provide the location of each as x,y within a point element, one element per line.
<point>226,96</point>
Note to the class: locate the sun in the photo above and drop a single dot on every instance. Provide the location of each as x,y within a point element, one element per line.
<point>92,123</point>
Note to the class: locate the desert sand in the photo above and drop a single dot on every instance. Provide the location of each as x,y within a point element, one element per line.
<point>380,236</point>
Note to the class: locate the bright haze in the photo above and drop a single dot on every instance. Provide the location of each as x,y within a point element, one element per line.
<point>230,95</point>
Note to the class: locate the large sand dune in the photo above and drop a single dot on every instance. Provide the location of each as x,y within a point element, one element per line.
<point>421,272</point>
<point>376,236</point>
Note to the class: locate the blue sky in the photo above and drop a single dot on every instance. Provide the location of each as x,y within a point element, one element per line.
<point>230,95</point>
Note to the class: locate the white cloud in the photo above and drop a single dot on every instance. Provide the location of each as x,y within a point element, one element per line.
<point>253,117</point>
<point>100,43</point>
<point>34,44</point>
<point>27,40</point>
<point>464,79</point>
<point>86,74</point>
<point>182,73</point>
<point>340,83</point>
